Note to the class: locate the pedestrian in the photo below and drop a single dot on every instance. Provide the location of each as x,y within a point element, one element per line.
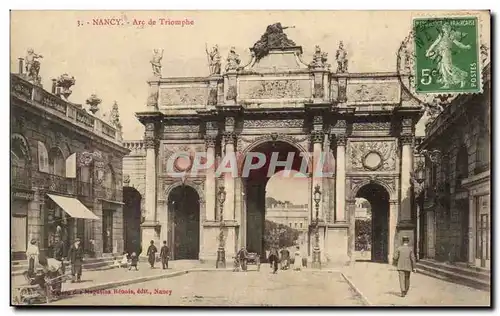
<point>124,262</point>
<point>242,256</point>
<point>133,261</point>
<point>164,251</point>
<point>75,257</point>
<point>59,252</point>
<point>32,253</point>
<point>297,263</point>
<point>152,254</point>
<point>273,259</point>
<point>285,259</point>
<point>405,260</point>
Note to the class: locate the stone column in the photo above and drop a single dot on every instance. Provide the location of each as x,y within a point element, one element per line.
<point>229,139</point>
<point>150,220</point>
<point>351,238</point>
<point>210,181</point>
<point>317,139</point>
<point>431,234</point>
<point>340,179</point>
<point>471,232</point>
<point>406,170</point>
<point>393,221</point>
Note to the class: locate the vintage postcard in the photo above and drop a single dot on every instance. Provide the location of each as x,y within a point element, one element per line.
<point>250,158</point>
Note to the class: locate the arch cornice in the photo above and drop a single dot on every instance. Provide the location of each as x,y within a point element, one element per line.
<point>256,141</point>
<point>388,183</point>
<point>196,185</point>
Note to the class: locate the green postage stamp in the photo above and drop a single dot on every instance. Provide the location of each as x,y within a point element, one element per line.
<point>447,55</point>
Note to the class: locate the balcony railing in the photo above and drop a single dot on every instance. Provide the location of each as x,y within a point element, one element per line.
<point>20,177</point>
<point>73,113</point>
<point>110,194</point>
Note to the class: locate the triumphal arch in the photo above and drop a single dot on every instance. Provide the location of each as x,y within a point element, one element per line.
<point>278,102</point>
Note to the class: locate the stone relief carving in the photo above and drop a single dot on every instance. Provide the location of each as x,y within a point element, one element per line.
<point>277,89</point>
<point>342,90</point>
<point>370,126</point>
<point>181,129</point>
<point>273,123</point>
<point>244,142</point>
<point>374,92</point>
<point>152,99</point>
<point>358,151</point>
<point>232,93</point>
<point>183,96</point>
<point>212,96</point>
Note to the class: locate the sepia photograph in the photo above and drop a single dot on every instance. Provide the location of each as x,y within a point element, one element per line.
<point>250,158</point>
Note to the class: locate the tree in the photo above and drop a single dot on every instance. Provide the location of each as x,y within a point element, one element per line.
<point>278,235</point>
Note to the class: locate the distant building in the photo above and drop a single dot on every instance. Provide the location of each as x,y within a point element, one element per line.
<point>362,210</point>
<point>66,169</point>
<point>291,215</point>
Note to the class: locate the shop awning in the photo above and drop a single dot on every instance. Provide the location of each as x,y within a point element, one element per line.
<point>73,207</point>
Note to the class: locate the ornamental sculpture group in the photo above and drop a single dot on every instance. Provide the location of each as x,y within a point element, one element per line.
<point>273,38</point>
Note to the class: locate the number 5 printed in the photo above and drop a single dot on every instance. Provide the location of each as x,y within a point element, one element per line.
<point>426,77</point>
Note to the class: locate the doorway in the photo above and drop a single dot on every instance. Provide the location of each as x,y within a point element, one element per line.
<point>378,199</point>
<point>184,218</point>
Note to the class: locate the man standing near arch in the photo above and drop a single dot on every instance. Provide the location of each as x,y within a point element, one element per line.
<point>405,259</point>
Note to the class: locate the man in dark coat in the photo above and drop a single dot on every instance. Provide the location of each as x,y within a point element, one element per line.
<point>152,254</point>
<point>59,252</point>
<point>75,257</point>
<point>274,259</point>
<point>164,251</point>
<point>405,259</point>
<point>242,256</point>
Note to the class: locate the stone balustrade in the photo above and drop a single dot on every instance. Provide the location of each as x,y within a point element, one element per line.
<point>136,147</point>
<point>74,113</point>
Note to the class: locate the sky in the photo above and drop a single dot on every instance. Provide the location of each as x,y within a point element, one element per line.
<point>113,61</point>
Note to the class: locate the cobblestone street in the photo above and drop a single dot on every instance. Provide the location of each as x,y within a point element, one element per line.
<point>287,288</point>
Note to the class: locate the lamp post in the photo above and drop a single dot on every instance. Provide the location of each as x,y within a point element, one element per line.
<point>316,261</point>
<point>221,253</point>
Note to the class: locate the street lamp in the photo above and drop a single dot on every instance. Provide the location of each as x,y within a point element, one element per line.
<point>221,253</point>
<point>417,178</point>
<point>316,262</point>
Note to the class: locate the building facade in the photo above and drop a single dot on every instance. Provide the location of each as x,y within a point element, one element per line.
<point>275,103</point>
<point>291,215</point>
<point>454,206</point>
<point>66,168</point>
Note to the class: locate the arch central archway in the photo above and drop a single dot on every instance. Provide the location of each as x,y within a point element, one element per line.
<point>378,197</point>
<point>184,215</point>
<point>254,188</point>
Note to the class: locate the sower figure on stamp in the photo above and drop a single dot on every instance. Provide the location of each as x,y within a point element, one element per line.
<point>405,259</point>
<point>152,254</point>
<point>164,251</point>
<point>75,257</point>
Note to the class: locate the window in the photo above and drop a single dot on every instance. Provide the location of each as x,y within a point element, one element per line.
<point>300,225</point>
<point>461,166</point>
<point>290,224</point>
<point>295,225</point>
<point>482,152</point>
